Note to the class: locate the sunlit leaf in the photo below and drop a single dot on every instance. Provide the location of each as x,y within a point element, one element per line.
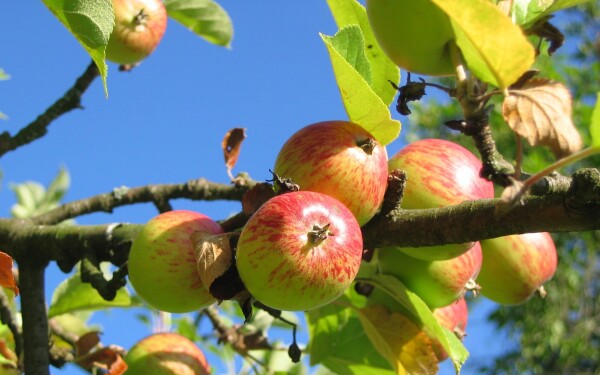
<point>527,12</point>
<point>541,112</point>
<point>495,49</point>
<point>421,314</point>
<point>595,123</point>
<point>205,18</point>
<point>3,75</point>
<point>73,295</point>
<point>7,279</point>
<point>399,340</point>
<point>362,105</point>
<point>339,342</point>
<point>231,146</point>
<point>91,22</point>
<point>383,70</point>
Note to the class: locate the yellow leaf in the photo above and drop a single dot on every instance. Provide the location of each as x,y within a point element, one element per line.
<point>540,111</point>
<point>495,49</point>
<point>408,349</point>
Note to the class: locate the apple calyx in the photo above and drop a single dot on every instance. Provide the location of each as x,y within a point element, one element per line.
<point>141,18</point>
<point>367,145</point>
<point>319,234</point>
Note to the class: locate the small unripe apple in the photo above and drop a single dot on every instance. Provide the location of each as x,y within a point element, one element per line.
<point>439,173</point>
<point>453,317</point>
<point>340,159</point>
<point>414,34</point>
<point>139,28</point>
<point>299,251</point>
<point>162,262</point>
<point>438,283</point>
<point>515,267</point>
<point>166,354</point>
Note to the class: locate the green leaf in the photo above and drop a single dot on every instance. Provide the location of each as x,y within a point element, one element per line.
<point>91,22</point>
<point>362,104</point>
<point>205,18</point>
<point>422,315</point>
<point>595,123</point>
<point>383,70</point>
<point>59,186</point>
<point>494,49</point>
<point>73,295</point>
<point>3,75</point>
<point>339,342</point>
<point>527,12</point>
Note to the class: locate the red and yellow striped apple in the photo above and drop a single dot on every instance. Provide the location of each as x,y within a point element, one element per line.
<point>299,251</point>
<point>139,28</point>
<point>438,283</point>
<point>162,262</point>
<point>514,267</point>
<point>454,317</point>
<point>166,354</point>
<point>414,34</point>
<point>439,173</point>
<point>340,159</point>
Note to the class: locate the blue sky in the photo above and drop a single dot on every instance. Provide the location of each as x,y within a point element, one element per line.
<point>164,121</point>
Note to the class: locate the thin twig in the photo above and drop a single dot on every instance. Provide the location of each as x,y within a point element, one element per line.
<point>39,127</point>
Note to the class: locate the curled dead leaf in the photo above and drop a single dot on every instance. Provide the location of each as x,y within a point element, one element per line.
<point>256,196</point>
<point>540,111</point>
<point>86,343</point>
<point>7,278</point>
<point>511,197</point>
<point>108,358</point>
<point>231,145</point>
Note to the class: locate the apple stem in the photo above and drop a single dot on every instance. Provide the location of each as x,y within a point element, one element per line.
<point>318,234</point>
<point>367,145</point>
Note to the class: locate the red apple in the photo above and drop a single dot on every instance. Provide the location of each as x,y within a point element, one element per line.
<point>514,267</point>
<point>139,28</point>
<point>438,283</point>
<point>162,262</point>
<point>166,354</point>
<point>439,173</point>
<point>299,251</point>
<point>340,159</point>
<point>453,317</point>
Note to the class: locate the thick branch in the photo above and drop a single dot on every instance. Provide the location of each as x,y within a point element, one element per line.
<point>199,189</point>
<point>577,208</point>
<point>39,127</point>
<point>35,320</point>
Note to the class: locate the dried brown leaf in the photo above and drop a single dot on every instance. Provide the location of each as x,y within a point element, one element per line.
<point>7,278</point>
<point>540,111</point>
<point>511,197</point>
<point>106,358</point>
<point>213,255</point>
<point>86,343</point>
<point>256,196</point>
<point>231,145</point>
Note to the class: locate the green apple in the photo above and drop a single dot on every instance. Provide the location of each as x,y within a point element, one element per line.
<point>414,34</point>
<point>340,159</point>
<point>514,267</point>
<point>162,262</point>
<point>299,251</point>
<point>139,28</point>
<point>438,283</point>
<point>166,354</point>
<point>439,173</point>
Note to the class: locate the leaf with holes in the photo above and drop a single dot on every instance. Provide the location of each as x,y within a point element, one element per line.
<point>231,145</point>
<point>540,111</point>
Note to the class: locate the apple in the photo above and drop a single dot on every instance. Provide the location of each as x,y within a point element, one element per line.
<point>438,283</point>
<point>414,34</point>
<point>139,28</point>
<point>299,251</point>
<point>439,173</point>
<point>340,159</point>
<point>514,267</point>
<point>454,317</point>
<point>162,262</point>
<point>166,354</point>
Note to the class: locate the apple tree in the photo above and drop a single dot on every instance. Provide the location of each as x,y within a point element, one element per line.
<point>378,251</point>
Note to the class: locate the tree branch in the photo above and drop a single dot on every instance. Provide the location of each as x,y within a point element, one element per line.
<point>199,189</point>
<point>39,127</point>
<point>35,321</point>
